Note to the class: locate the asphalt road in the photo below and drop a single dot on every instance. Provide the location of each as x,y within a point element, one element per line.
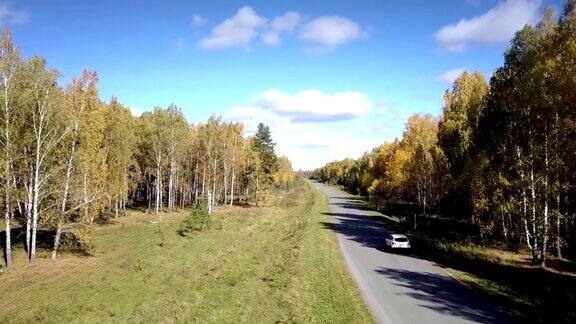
<point>398,288</point>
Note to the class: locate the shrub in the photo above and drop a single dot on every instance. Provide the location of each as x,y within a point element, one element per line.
<point>105,217</point>
<point>198,220</point>
<point>77,240</point>
<point>161,236</point>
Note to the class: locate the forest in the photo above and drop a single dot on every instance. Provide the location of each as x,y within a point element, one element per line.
<point>70,160</point>
<point>501,158</point>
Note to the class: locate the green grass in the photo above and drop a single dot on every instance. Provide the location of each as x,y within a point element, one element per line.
<point>267,264</point>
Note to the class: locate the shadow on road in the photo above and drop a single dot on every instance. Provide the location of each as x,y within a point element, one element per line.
<point>359,228</point>
<point>441,294</point>
<point>437,292</point>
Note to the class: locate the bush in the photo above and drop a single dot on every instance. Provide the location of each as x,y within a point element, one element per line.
<point>105,217</point>
<point>198,220</point>
<point>77,240</point>
<point>161,236</point>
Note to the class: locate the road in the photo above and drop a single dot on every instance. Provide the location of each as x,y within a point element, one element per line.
<point>398,288</point>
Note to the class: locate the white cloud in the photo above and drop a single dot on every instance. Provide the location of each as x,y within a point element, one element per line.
<point>8,15</point>
<point>281,24</point>
<point>327,32</point>
<point>301,128</point>
<point>198,21</point>
<point>314,105</point>
<point>308,145</point>
<point>451,75</point>
<point>322,34</point>
<point>238,30</point>
<point>497,25</point>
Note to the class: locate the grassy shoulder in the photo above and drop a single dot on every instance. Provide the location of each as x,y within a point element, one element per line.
<point>503,278</point>
<point>265,264</point>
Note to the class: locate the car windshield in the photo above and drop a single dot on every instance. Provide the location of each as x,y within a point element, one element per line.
<point>400,239</point>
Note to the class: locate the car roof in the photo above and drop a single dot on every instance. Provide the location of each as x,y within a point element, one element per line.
<point>399,235</point>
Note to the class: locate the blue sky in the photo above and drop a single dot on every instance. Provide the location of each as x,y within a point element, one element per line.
<point>332,78</point>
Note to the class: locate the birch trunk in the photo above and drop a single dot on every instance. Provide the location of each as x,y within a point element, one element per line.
<point>504,230</point>
<point>546,216</point>
<point>85,193</point>
<point>232,186</point>
<point>535,237</point>
<point>203,181</point>
<point>36,197</point>
<point>7,176</point>
<point>214,184</point>
<point>209,202</point>
<point>195,184</point>
<point>535,249</point>
<point>225,188</point>
<point>170,186</point>
<point>157,206</point>
<point>28,210</point>
<point>558,226</point>
<point>65,194</point>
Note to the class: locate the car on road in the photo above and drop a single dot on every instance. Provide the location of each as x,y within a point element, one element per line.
<point>397,241</point>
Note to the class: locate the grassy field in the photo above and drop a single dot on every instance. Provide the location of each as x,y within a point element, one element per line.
<point>503,278</point>
<point>267,264</point>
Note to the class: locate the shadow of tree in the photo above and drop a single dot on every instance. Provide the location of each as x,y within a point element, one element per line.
<point>437,292</point>
<point>441,294</point>
<point>359,228</point>
<point>44,240</point>
<point>552,293</point>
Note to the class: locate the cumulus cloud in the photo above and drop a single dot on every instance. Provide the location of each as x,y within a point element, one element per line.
<point>451,75</point>
<point>198,21</point>
<point>238,30</point>
<point>308,145</point>
<point>322,34</point>
<point>281,24</point>
<point>330,31</point>
<point>497,25</point>
<point>301,128</point>
<point>9,15</point>
<point>314,105</point>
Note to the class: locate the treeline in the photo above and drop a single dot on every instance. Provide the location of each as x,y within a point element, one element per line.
<point>70,159</point>
<point>501,157</point>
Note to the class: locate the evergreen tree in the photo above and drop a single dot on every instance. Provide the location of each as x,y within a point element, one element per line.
<point>265,147</point>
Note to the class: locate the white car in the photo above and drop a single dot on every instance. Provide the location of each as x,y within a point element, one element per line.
<point>397,241</point>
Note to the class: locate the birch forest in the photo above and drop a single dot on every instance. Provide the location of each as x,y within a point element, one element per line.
<point>500,159</point>
<point>70,160</point>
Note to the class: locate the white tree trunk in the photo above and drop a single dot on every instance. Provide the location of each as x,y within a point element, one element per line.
<point>546,194</point>
<point>225,183</point>
<point>232,187</point>
<point>7,176</point>
<point>35,199</point>
<point>209,202</point>
<point>158,189</point>
<point>85,195</point>
<point>558,226</point>
<point>170,186</point>
<point>214,184</point>
<point>29,193</point>
<point>65,195</point>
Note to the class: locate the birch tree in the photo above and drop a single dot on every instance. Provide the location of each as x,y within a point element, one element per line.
<point>48,131</point>
<point>9,60</point>
<point>77,101</point>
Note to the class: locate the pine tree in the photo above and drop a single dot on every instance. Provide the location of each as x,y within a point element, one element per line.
<point>265,146</point>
